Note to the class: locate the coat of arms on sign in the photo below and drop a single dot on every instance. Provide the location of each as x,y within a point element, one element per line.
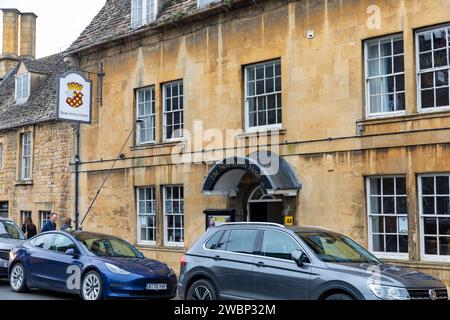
<point>74,95</point>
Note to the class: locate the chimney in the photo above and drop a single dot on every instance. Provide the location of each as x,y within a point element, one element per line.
<point>28,34</point>
<point>10,31</point>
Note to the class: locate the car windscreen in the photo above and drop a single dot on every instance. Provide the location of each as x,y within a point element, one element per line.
<point>330,247</point>
<point>9,230</point>
<point>104,246</point>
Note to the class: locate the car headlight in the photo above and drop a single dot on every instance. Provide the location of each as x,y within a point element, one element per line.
<point>12,255</point>
<point>389,293</point>
<point>115,269</point>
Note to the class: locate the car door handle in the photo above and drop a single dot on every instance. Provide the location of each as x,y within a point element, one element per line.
<point>217,258</point>
<point>260,264</point>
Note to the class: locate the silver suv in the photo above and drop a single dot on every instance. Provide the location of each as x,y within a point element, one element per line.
<point>10,236</point>
<point>270,261</point>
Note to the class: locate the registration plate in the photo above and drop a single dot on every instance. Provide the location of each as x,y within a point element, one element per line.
<point>156,286</point>
<point>4,264</point>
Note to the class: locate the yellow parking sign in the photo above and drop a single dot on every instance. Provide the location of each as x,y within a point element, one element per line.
<point>289,220</point>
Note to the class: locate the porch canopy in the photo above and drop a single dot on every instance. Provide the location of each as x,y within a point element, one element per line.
<point>273,173</point>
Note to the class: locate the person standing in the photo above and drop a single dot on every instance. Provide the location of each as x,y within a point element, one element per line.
<point>28,228</point>
<point>51,224</point>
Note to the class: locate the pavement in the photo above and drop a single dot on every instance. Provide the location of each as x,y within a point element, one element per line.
<point>7,294</point>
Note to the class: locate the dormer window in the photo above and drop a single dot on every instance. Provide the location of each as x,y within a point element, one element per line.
<point>22,88</point>
<point>143,12</point>
<point>205,3</point>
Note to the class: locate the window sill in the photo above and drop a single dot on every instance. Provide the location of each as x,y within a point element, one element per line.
<point>174,249</point>
<point>23,183</point>
<point>438,265</point>
<point>404,117</point>
<point>154,145</point>
<point>265,132</point>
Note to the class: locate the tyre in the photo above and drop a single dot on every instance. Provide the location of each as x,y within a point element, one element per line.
<point>91,286</point>
<point>339,296</point>
<point>17,278</point>
<point>201,290</point>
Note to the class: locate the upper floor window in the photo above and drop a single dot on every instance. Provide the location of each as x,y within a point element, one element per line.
<point>143,12</point>
<point>204,3</point>
<point>263,95</point>
<point>22,87</point>
<point>173,107</point>
<point>433,65</point>
<point>385,76</point>
<point>145,100</point>
<point>26,156</point>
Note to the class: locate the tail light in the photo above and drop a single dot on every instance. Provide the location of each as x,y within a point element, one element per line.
<point>183,262</point>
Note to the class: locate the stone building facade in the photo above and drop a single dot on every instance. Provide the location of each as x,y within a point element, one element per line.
<point>354,96</point>
<point>35,149</point>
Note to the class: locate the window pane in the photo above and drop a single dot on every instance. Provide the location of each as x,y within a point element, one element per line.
<point>241,241</point>
<point>441,78</point>
<point>427,80</point>
<point>442,97</point>
<point>439,39</point>
<point>374,66</point>
<point>386,66</point>
<point>444,246</point>
<point>388,186</point>
<point>427,185</point>
<point>430,225</point>
<point>391,225</point>
<point>388,205</point>
<point>372,50</point>
<point>428,205</point>
<point>442,185</point>
<point>375,205</point>
<point>403,244</point>
<point>400,184</point>
<point>386,47</point>
<point>399,65</point>
<point>375,86</point>
<point>375,104</point>
<point>378,243</point>
<point>443,205</point>
<point>398,46</point>
<point>430,245</point>
<point>377,225</point>
<point>425,60</point>
<point>400,83</point>
<point>278,245</point>
<point>391,243</point>
<point>402,205</point>
<point>444,226</point>
<point>375,186</point>
<point>440,58</point>
<point>425,42</point>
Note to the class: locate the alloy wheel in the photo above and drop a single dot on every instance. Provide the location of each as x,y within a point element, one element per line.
<point>91,287</point>
<point>17,276</point>
<point>201,293</point>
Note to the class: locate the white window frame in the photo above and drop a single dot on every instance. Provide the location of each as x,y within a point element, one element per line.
<point>166,233</point>
<point>378,254</point>
<point>144,10</point>
<point>1,156</point>
<point>22,95</point>
<point>394,74</point>
<point>432,69</point>
<point>145,214</point>
<point>165,112</point>
<point>151,115</point>
<point>423,256</point>
<point>44,217</point>
<point>262,128</point>
<point>24,156</point>
<point>201,4</point>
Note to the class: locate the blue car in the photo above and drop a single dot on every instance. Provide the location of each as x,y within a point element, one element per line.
<point>93,265</point>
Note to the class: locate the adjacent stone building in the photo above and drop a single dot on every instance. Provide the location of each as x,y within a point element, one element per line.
<point>353,96</point>
<point>35,149</point>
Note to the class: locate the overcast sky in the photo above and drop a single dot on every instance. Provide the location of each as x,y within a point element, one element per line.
<point>59,22</point>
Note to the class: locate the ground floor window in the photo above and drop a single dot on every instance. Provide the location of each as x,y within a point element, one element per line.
<point>434,205</point>
<point>4,211</point>
<point>388,215</point>
<point>23,215</point>
<point>146,211</point>
<point>44,217</point>
<point>173,199</point>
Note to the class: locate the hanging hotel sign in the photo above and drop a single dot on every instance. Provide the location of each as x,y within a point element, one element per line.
<point>74,98</point>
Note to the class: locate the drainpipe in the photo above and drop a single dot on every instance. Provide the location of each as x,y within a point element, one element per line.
<point>76,162</point>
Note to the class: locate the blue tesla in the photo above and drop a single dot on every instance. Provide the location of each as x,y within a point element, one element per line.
<point>93,265</point>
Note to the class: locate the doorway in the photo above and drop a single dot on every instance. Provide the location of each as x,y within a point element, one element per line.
<point>262,207</point>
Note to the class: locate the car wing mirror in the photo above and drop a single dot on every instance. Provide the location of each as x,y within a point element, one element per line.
<point>299,257</point>
<point>71,252</point>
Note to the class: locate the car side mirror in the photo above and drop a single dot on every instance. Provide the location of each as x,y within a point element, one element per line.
<point>299,257</point>
<point>70,252</point>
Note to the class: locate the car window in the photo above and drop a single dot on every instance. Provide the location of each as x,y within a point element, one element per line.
<point>241,241</point>
<point>278,245</point>
<point>44,241</point>
<point>62,243</point>
<point>9,230</point>
<point>214,240</point>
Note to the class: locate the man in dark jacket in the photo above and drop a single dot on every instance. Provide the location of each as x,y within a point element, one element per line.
<point>67,225</point>
<point>51,224</point>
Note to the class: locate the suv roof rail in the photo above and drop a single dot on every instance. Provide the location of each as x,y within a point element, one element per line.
<point>253,223</point>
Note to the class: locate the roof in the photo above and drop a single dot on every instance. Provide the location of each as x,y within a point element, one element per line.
<point>41,105</point>
<point>114,20</point>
